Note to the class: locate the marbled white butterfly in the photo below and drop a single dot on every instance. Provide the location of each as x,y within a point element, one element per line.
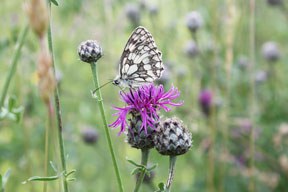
<point>141,61</point>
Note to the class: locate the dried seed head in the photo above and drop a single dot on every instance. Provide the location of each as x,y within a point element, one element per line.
<point>46,82</point>
<point>191,49</point>
<point>133,13</point>
<point>38,16</point>
<point>172,138</point>
<point>194,21</point>
<point>138,138</point>
<point>89,135</point>
<point>270,51</point>
<point>89,51</point>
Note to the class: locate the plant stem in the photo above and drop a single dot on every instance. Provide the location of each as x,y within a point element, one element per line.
<point>20,42</point>
<point>102,111</point>
<point>144,160</point>
<point>172,162</point>
<point>47,133</point>
<point>252,93</point>
<point>58,108</point>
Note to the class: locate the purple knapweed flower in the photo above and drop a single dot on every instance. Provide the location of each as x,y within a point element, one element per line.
<point>146,101</point>
<point>205,101</point>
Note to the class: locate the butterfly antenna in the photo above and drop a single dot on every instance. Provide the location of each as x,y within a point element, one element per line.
<point>102,86</point>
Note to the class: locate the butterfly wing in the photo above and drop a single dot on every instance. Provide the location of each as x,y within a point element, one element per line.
<point>141,61</point>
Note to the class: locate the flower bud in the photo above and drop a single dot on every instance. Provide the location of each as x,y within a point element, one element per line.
<point>194,21</point>
<point>205,101</point>
<point>137,137</point>
<point>89,51</point>
<point>270,51</point>
<point>133,13</point>
<point>38,16</point>
<point>89,135</point>
<point>191,49</point>
<point>172,138</point>
<point>275,2</point>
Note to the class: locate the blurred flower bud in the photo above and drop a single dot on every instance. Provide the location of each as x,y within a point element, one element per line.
<point>153,10</point>
<point>89,51</point>
<point>194,21</point>
<point>261,76</point>
<point>46,82</point>
<point>205,101</point>
<point>133,13</point>
<point>38,16</point>
<point>243,62</point>
<point>89,135</point>
<point>191,49</point>
<point>275,2</point>
<point>270,51</point>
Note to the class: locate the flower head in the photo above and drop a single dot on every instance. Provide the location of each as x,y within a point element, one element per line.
<point>89,51</point>
<point>145,101</point>
<point>205,101</point>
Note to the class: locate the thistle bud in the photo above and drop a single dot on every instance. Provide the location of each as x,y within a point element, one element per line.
<point>172,138</point>
<point>137,137</point>
<point>89,135</point>
<point>194,21</point>
<point>270,51</point>
<point>205,101</point>
<point>38,16</point>
<point>191,49</point>
<point>89,51</point>
<point>275,2</point>
<point>133,13</point>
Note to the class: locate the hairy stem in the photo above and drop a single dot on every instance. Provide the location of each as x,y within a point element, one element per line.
<point>144,160</point>
<point>107,133</point>
<point>20,42</point>
<point>172,162</point>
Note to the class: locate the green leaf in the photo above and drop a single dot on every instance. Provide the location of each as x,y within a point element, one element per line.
<point>54,2</point>
<point>53,166</point>
<point>38,178</point>
<point>6,177</point>
<point>70,172</point>
<point>162,187</point>
<point>152,167</point>
<point>136,170</point>
<point>136,164</point>
<point>11,103</point>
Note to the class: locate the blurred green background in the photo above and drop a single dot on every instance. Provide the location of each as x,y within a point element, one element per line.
<point>217,59</point>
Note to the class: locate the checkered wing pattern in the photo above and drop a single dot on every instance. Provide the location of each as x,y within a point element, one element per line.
<point>141,61</point>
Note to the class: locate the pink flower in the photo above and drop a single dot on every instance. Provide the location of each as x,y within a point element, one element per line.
<point>147,101</point>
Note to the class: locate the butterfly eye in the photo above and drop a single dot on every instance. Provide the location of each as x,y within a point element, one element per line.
<point>116,82</point>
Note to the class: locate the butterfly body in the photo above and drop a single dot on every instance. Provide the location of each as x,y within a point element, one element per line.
<point>141,61</point>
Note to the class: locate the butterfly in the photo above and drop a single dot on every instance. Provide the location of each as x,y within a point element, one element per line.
<point>141,61</point>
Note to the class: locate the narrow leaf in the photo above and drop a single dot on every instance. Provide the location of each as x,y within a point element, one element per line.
<point>54,2</point>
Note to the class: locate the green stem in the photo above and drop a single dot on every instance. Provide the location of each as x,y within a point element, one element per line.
<point>144,160</point>
<point>102,111</point>
<point>171,172</point>
<point>58,110</point>
<point>15,58</point>
<point>252,94</point>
